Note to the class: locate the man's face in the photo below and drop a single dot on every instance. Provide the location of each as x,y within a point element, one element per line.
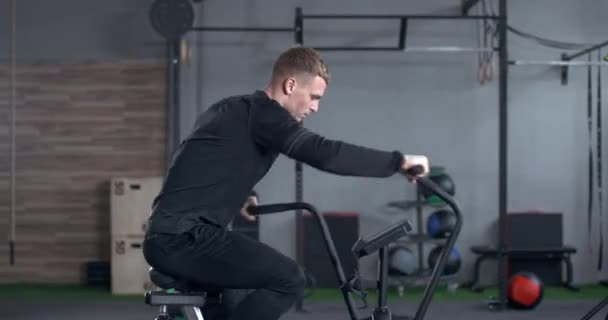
<point>304,95</point>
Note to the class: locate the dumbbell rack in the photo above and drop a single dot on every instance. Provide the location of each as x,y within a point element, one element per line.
<point>419,238</point>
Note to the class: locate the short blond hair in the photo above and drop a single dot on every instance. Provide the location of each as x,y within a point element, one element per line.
<point>296,60</point>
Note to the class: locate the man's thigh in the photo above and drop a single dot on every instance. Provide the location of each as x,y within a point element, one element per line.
<point>217,257</point>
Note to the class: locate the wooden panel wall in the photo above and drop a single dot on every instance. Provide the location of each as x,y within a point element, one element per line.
<point>78,125</point>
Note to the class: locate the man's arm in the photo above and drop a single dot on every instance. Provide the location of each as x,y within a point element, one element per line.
<point>340,157</point>
<point>272,127</point>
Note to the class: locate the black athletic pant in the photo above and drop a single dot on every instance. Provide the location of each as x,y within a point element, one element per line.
<point>215,256</point>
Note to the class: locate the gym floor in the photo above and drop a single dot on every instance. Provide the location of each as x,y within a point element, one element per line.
<point>65,303</point>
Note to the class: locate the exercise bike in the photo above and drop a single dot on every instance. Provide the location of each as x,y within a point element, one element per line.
<point>597,308</point>
<point>191,297</point>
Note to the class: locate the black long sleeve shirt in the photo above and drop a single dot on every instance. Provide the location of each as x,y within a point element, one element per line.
<point>233,145</point>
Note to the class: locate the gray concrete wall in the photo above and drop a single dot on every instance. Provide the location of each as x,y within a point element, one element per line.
<point>72,30</point>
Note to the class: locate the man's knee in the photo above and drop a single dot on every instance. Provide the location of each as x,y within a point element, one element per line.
<point>293,279</point>
<point>300,280</point>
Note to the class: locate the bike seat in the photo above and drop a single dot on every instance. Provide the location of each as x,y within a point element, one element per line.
<point>165,281</point>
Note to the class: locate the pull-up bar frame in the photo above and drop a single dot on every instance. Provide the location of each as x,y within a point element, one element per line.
<point>401,42</point>
<point>568,58</point>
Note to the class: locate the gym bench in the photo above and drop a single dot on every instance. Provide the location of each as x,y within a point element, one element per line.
<point>485,252</point>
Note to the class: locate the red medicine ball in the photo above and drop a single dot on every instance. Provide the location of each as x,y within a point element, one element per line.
<point>525,290</point>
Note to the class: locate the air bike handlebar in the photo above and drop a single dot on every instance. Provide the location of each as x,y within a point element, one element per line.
<point>438,268</point>
<point>377,242</point>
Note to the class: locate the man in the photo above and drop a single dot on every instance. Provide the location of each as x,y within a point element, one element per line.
<point>233,145</point>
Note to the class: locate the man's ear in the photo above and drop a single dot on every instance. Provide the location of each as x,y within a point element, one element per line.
<point>289,85</point>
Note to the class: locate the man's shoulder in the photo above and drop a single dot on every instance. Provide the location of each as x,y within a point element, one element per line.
<point>255,105</point>
<point>232,99</point>
<point>238,100</point>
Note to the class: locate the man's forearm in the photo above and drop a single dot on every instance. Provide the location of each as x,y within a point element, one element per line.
<point>343,158</point>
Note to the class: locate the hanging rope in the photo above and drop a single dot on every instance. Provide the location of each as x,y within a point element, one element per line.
<point>590,128</point>
<point>486,38</point>
<point>12,133</point>
<point>599,158</point>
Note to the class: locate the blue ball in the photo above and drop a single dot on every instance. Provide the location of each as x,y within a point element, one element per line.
<point>440,223</point>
